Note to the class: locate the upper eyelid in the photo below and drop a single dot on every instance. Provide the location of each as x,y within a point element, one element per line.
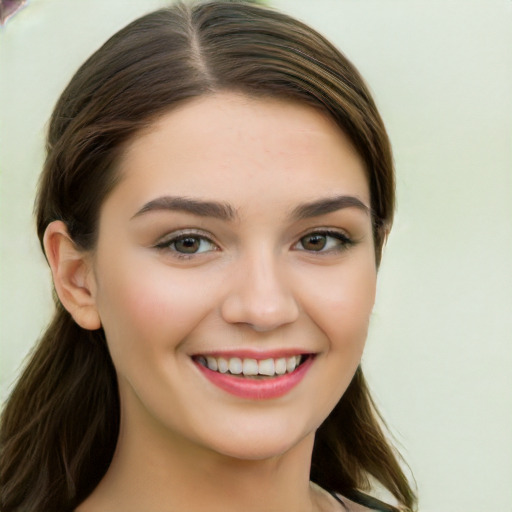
<point>178,233</point>
<point>324,230</point>
<point>167,240</point>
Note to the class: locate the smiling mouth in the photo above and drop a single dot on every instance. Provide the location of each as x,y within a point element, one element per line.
<point>252,368</point>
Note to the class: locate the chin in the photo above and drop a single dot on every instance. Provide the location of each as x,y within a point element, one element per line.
<point>258,444</point>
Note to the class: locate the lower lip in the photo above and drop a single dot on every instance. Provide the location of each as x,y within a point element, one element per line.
<point>257,389</point>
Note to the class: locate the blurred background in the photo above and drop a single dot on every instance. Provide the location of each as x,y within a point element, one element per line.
<point>439,354</point>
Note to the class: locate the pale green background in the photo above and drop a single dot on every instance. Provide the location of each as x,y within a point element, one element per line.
<point>439,356</point>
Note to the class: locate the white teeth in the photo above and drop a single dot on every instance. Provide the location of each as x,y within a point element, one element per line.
<point>212,363</point>
<point>235,366</point>
<point>280,366</point>
<point>291,363</point>
<point>222,365</point>
<point>250,367</point>
<point>266,367</point>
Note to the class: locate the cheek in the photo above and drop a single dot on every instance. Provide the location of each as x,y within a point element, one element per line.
<point>340,309</point>
<point>145,307</point>
<point>342,304</point>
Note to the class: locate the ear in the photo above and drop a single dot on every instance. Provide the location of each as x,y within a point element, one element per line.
<point>72,275</point>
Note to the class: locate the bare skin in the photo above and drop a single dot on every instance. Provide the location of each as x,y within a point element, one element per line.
<point>275,270</point>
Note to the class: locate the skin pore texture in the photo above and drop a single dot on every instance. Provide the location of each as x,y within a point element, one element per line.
<point>239,227</point>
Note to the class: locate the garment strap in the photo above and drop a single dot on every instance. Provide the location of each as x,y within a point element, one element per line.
<point>338,499</point>
<point>365,500</point>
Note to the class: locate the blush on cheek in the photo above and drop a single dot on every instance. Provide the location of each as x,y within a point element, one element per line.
<point>348,302</point>
<point>344,315</point>
<point>151,310</point>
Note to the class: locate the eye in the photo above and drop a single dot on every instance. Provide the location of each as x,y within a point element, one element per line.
<point>323,241</point>
<point>187,244</point>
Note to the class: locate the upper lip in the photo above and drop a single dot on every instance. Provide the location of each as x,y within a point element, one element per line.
<point>254,354</point>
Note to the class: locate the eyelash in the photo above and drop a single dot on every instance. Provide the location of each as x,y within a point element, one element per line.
<point>344,242</point>
<point>169,244</point>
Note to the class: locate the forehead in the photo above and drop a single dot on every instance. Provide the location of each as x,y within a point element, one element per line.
<point>234,146</point>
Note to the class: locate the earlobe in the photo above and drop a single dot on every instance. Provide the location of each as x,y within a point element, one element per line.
<point>72,275</point>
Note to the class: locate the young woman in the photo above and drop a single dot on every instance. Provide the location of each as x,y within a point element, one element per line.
<point>217,191</point>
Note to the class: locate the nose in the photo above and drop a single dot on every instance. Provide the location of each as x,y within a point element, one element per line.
<point>260,295</point>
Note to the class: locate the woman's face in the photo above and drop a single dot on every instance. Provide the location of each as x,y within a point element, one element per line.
<point>238,237</point>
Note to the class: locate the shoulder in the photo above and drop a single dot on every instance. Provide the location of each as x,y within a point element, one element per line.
<point>360,502</point>
<point>352,506</point>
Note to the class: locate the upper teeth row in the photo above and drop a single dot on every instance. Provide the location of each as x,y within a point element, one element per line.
<point>237,366</point>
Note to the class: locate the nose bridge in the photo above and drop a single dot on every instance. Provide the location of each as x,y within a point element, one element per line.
<point>259,292</point>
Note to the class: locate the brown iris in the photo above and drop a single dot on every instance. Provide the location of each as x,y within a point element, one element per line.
<point>187,244</point>
<point>314,242</point>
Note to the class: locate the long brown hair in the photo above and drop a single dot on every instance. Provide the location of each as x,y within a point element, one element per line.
<point>60,425</point>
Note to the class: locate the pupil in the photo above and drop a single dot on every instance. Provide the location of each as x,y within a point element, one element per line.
<point>314,242</point>
<point>188,244</point>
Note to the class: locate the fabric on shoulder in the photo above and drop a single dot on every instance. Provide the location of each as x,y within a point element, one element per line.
<point>357,501</point>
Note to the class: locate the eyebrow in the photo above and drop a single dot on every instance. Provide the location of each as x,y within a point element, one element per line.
<point>328,205</point>
<point>222,211</point>
<point>226,212</point>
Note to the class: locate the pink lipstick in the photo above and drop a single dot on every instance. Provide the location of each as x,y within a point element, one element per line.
<point>260,377</point>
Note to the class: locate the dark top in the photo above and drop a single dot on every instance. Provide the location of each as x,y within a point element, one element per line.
<point>366,501</point>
